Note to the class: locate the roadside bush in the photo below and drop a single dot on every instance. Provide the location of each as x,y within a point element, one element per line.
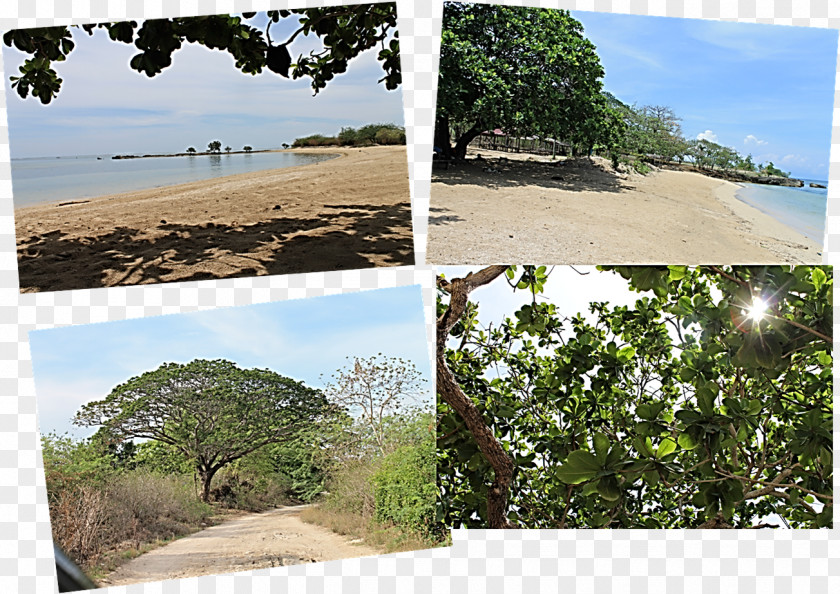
<point>351,488</point>
<point>145,506</point>
<point>405,488</point>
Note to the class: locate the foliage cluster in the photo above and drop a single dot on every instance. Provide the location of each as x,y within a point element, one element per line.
<point>100,499</point>
<point>527,71</point>
<point>654,132</point>
<point>344,31</point>
<point>367,135</point>
<point>708,403</point>
<point>238,438</point>
<point>390,483</point>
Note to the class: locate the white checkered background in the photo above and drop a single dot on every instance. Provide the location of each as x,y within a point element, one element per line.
<point>502,561</point>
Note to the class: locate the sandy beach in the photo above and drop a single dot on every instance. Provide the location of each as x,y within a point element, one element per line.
<point>506,208</point>
<point>350,212</point>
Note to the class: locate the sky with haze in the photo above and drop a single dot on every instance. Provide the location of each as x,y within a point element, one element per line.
<point>765,90</point>
<point>303,339</point>
<point>105,107</point>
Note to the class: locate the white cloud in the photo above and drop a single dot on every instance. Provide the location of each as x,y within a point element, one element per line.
<point>751,140</point>
<point>708,135</point>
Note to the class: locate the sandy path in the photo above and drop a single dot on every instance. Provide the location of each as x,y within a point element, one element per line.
<point>270,539</point>
<point>346,213</point>
<point>497,211</point>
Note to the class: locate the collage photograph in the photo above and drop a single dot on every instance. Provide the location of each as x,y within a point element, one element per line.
<point>418,296</point>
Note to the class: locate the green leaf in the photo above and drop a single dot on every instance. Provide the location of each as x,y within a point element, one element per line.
<point>580,466</point>
<point>686,442</point>
<point>818,277</point>
<point>608,488</point>
<point>602,445</point>
<point>667,446</point>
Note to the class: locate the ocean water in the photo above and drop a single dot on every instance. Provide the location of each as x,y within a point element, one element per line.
<point>803,208</point>
<point>39,180</point>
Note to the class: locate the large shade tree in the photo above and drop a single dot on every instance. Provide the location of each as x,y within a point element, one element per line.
<point>525,70</point>
<point>211,411</point>
<point>708,403</point>
<point>345,32</point>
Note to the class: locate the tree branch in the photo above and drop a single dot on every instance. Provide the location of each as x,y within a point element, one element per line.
<point>448,388</point>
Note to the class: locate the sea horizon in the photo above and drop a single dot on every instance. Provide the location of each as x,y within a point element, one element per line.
<point>41,180</point>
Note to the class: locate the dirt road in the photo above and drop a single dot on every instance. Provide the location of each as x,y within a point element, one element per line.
<point>270,539</point>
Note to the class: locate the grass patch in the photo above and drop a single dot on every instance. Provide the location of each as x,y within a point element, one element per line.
<point>388,538</point>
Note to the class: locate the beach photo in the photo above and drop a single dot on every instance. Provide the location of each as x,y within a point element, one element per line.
<point>669,397</point>
<point>208,147</point>
<point>238,439</point>
<point>592,137</point>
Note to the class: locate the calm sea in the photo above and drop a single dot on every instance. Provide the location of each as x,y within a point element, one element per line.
<point>802,208</point>
<point>40,180</point>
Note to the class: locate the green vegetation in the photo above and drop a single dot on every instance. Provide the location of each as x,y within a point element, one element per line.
<point>653,133</point>
<point>191,150</point>
<point>211,411</point>
<point>214,146</point>
<point>345,32</point>
<point>531,73</point>
<point>217,437</point>
<point>368,135</point>
<point>247,148</point>
<point>527,71</point>
<point>708,403</point>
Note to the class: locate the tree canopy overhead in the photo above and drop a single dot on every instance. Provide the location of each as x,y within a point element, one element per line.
<point>528,71</point>
<point>212,411</point>
<point>345,32</point>
<point>706,404</point>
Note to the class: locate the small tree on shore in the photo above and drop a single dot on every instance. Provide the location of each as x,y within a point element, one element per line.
<point>247,148</point>
<point>227,149</point>
<point>214,146</point>
<point>191,150</point>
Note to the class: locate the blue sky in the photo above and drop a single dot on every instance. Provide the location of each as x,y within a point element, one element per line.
<point>767,90</point>
<point>105,107</point>
<point>303,339</point>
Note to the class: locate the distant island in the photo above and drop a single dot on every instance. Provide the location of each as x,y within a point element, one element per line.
<point>196,154</point>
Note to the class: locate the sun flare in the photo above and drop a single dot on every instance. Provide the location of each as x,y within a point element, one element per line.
<point>757,310</point>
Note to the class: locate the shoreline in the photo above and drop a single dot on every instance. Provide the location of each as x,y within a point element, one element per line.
<point>499,209</point>
<point>349,212</point>
<point>82,199</point>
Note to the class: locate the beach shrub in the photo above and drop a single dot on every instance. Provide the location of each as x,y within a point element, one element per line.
<point>348,136</point>
<point>390,136</point>
<point>316,140</point>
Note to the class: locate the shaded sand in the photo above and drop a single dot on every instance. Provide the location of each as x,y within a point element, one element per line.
<point>346,213</point>
<point>504,209</point>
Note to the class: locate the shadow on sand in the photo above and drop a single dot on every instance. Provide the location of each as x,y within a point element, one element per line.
<point>344,237</point>
<point>573,175</point>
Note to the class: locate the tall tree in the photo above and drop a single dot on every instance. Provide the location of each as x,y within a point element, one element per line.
<point>376,388</point>
<point>345,32</point>
<point>706,404</point>
<point>211,411</point>
<point>528,71</point>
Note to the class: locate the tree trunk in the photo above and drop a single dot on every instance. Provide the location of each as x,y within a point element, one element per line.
<point>442,140</point>
<point>206,475</point>
<point>450,391</point>
<point>466,138</point>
